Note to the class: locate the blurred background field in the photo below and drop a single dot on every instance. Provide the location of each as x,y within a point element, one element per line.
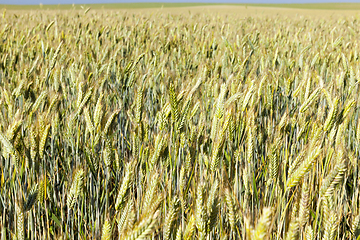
<point>314,9</point>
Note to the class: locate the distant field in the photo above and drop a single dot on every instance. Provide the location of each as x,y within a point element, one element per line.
<point>104,6</point>
<point>325,6</point>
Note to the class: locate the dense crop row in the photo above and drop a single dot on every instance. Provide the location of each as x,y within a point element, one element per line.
<point>138,126</point>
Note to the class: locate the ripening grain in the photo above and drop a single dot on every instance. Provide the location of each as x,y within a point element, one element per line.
<point>178,126</point>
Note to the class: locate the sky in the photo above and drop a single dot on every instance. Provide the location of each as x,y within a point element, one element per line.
<point>124,1</point>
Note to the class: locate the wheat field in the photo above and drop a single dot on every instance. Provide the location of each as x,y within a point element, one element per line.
<point>188,125</point>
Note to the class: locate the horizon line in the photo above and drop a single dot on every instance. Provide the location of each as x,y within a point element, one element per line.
<point>190,2</point>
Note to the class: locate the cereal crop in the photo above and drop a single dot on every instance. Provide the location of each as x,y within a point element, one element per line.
<point>147,125</point>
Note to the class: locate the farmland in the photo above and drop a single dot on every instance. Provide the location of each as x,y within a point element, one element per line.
<point>190,122</point>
